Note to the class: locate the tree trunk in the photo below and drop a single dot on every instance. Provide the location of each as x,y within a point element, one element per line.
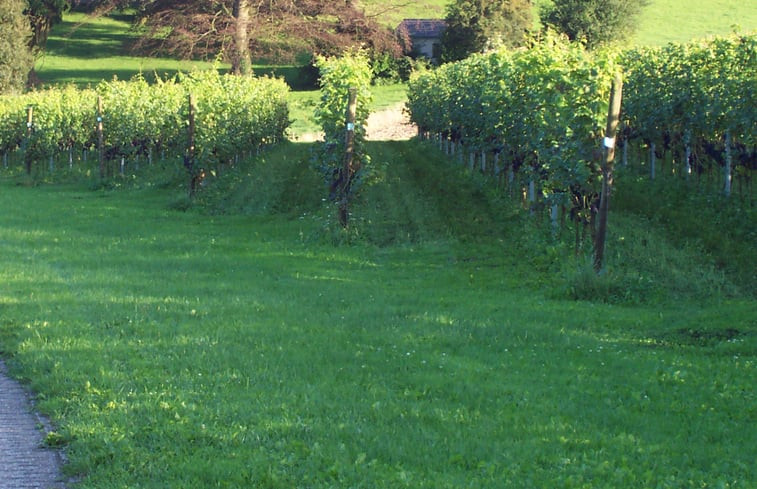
<point>242,61</point>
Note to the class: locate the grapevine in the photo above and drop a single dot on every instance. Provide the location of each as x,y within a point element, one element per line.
<point>235,115</point>
<point>540,111</point>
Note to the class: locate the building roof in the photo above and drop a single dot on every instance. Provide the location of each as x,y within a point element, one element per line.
<point>428,28</point>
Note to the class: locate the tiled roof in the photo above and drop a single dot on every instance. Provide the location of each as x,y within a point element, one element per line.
<point>423,27</point>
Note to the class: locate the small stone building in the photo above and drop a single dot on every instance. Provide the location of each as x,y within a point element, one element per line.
<point>424,35</point>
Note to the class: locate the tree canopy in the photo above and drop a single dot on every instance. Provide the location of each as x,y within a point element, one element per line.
<point>15,57</point>
<point>594,22</point>
<point>473,24</point>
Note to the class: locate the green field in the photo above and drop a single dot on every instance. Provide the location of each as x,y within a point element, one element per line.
<point>666,21</point>
<point>448,339</point>
<point>84,50</point>
<point>251,343</point>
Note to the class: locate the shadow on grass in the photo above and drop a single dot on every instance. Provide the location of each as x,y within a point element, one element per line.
<point>76,39</point>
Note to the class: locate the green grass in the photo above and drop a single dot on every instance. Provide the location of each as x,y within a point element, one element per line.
<point>666,21</point>
<point>428,347</point>
<point>662,21</point>
<point>446,340</point>
<point>83,50</point>
<point>393,12</point>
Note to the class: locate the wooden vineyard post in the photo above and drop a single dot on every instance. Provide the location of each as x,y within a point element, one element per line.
<point>652,160</point>
<point>613,116</point>
<point>29,129</point>
<point>100,138</point>
<point>687,156</point>
<point>728,164</point>
<point>349,168</point>
<point>190,156</point>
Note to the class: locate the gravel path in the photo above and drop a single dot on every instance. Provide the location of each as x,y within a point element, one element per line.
<point>391,124</point>
<point>24,463</point>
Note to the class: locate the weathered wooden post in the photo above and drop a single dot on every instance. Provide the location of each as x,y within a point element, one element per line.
<point>350,167</point>
<point>100,138</point>
<point>29,129</point>
<point>728,164</point>
<point>613,117</point>
<point>190,155</point>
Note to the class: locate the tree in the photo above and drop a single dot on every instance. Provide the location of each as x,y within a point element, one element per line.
<point>43,15</point>
<point>240,29</point>
<point>474,24</point>
<point>594,22</point>
<point>15,57</point>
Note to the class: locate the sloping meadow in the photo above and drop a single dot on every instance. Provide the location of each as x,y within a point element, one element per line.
<point>175,349</point>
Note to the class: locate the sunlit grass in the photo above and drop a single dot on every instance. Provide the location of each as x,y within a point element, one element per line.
<point>429,346</point>
<point>84,50</point>
<point>666,21</point>
<point>180,349</point>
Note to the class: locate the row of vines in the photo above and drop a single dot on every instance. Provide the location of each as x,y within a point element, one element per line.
<point>233,115</point>
<point>537,116</point>
<point>534,116</point>
<point>696,102</point>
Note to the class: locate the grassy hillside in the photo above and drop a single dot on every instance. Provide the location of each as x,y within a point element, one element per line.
<point>249,342</point>
<point>662,21</point>
<point>83,50</point>
<point>393,12</point>
<point>681,20</point>
<point>447,339</point>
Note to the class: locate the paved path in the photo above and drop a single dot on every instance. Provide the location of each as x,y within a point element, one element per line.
<point>24,464</point>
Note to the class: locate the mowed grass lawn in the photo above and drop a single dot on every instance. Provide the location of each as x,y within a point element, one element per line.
<point>177,350</point>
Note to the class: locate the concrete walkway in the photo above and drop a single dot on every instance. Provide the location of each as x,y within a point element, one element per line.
<point>24,463</point>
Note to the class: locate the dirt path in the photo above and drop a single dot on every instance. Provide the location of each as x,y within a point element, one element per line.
<point>24,463</point>
<point>390,124</point>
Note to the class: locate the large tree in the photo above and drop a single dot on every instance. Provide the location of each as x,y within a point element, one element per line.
<point>240,29</point>
<point>15,57</point>
<point>594,22</point>
<point>474,24</point>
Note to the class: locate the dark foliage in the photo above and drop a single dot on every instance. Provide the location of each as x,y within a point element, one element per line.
<point>474,24</point>
<point>594,22</point>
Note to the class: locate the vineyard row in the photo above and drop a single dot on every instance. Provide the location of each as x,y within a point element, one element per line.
<point>128,120</point>
<point>540,112</point>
